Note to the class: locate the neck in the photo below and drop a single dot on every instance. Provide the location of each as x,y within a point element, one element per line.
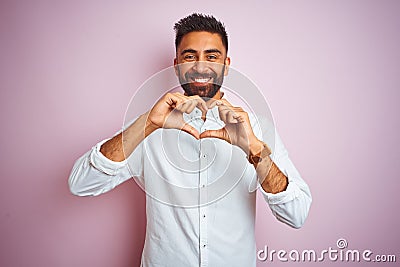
<point>217,96</point>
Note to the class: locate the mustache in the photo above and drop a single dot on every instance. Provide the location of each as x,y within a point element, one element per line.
<point>196,75</point>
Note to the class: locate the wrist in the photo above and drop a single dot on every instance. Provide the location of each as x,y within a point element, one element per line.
<point>255,147</point>
<point>257,152</point>
<point>149,126</point>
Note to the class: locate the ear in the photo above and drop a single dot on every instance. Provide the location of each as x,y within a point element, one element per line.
<point>227,63</point>
<point>176,67</point>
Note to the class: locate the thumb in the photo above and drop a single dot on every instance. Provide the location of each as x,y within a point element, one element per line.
<point>190,130</point>
<point>220,134</point>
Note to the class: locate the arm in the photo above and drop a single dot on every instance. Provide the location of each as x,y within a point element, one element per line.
<point>123,144</point>
<point>271,178</point>
<point>286,193</point>
<point>290,205</point>
<point>166,113</point>
<point>105,165</point>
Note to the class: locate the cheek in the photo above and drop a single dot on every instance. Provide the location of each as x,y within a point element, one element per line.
<point>183,70</point>
<point>218,68</point>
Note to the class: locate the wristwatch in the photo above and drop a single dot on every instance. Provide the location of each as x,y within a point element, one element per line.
<point>257,158</point>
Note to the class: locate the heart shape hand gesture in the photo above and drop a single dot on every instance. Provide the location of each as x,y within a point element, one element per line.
<point>167,114</point>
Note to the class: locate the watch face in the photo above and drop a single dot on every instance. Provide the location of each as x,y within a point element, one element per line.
<point>255,159</point>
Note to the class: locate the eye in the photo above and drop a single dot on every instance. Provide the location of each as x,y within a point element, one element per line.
<point>189,57</point>
<point>211,57</point>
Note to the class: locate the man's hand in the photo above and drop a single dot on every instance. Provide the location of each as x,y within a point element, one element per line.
<point>237,130</point>
<point>167,113</point>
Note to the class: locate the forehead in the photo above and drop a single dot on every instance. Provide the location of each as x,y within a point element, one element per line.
<point>201,41</point>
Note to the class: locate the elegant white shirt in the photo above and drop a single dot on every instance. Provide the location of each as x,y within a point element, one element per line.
<point>200,194</point>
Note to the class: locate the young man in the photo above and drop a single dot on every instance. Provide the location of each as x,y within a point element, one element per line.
<point>196,156</point>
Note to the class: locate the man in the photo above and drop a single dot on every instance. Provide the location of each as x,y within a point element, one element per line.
<point>194,219</point>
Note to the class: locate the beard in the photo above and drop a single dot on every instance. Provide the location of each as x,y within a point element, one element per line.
<point>205,90</point>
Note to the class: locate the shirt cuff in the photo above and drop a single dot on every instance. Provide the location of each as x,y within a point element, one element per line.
<point>292,192</point>
<point>104,164</point>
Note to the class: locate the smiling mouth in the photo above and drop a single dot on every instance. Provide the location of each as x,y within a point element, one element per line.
<point>201,80</point>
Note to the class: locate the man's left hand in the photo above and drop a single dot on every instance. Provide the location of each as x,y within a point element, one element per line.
<point>237,130</point>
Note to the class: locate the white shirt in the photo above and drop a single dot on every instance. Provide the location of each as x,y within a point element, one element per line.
<point>201,194</point>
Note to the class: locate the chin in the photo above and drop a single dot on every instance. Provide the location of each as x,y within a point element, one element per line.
<point>208,92</point>
<point>204,95</point>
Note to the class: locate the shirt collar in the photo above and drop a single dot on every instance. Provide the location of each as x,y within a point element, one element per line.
<point>212,114</point>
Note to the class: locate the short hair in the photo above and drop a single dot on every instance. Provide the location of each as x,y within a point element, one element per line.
<point>197,23</point>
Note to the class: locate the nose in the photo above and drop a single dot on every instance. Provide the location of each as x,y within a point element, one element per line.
<point>200,66</point>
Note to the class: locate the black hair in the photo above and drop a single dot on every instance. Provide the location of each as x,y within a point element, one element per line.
<point>199,22</point>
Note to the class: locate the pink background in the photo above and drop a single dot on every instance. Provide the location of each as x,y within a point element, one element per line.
<point>329,69</point>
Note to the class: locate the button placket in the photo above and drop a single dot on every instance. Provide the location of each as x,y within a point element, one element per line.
<point>203,198</point>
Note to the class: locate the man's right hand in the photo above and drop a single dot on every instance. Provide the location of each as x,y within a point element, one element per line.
<point>168,112</point>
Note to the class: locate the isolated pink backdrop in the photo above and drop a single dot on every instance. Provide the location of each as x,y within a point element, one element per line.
<point>329,69</point>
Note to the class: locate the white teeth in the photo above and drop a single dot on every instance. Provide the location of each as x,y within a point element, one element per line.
<point>203,80</point>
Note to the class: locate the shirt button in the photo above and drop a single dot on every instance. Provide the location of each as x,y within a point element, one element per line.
<point>204,245</point>
<point>204,215</point>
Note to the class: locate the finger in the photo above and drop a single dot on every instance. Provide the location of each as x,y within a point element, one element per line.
<point>226,114</point>
<point>220,134</point>
<point>187,103</point>
<point>223,112</point>
<point>182,103</point>
<point>178,94</point>
<point>240,114</point>
<point>190,106</point>
<point>186,106</point>
<point>232,117</point>
<point>171,100</point>
<point>239,119</point>
<point>176,100</point>
<point>212,103</point>
<point>225,102</point>
<point>200,103</point>
<point>237,109</point>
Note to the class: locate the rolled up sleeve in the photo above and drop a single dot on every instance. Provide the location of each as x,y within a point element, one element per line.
<point>292,205</point>
<point>94,174</point>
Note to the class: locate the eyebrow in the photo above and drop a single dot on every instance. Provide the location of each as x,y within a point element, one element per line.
<point>208,51</point>
<point>188,51</point>
<point>213,51</point>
